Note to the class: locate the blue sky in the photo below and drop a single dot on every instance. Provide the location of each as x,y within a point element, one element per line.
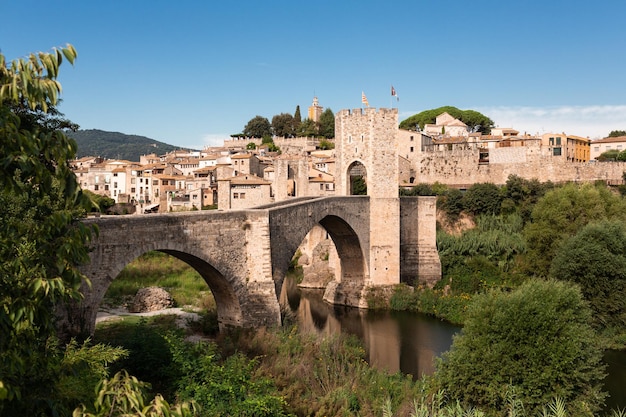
<point>190,73</point>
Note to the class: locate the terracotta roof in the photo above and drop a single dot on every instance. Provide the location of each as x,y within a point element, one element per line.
<point>248,180</point>
<point>610,140</point>
<point>241,156</point>
<point>319,176</point>
<point>205,169</point>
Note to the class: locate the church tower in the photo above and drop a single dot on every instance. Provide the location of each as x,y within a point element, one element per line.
<point>315,110</point>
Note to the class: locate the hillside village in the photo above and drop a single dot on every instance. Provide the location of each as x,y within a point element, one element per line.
<point>236,177</point>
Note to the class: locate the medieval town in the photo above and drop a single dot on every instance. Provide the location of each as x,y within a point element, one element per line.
<point>239,175</point>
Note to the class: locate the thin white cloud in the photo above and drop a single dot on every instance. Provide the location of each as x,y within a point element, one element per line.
<point>594,122</point>
<point>214,139</point>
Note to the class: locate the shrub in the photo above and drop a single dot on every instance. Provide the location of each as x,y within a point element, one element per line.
<point>596,260</point>
<point>537,339</point>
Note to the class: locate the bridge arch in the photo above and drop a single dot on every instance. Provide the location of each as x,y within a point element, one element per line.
<point>209,243</point>
<point>345,219</point>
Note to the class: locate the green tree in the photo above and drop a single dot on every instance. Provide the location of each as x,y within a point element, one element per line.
<point>520,195</point>
<point>482,199</point>
<point>560,214</point>
<point>283,125</point>
<point>251,146</point>
<point>358,185</point>
<point>297,118</point>
<point>617,133</point>
<point>327,124</point>
<point>101,203</point>
<point>308,128</point>
<point>610,155</point>
<point>473,119</point>
<point>41,240</point>
<point>258,127</point>
<point>536,340</point>
<point>451,202</point>
<point>595,259</point>
<point>326,144</point>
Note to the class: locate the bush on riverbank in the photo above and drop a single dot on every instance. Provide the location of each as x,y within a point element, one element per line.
<point>537,340</point>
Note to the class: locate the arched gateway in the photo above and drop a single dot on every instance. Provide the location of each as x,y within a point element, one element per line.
<point>243,255</point>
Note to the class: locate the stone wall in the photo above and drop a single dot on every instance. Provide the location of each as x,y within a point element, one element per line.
<point>462,167</point>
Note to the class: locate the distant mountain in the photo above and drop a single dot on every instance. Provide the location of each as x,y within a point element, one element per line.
<point>115,145</point>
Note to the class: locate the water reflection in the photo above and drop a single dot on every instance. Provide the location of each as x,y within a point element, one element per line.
<point>407,342</point>
<point>395,341</point>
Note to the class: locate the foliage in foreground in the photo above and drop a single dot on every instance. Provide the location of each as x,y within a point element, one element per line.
<point>41,240</point>
<point>193,372</point>
<point>537,340</point>
<point>325,376</point>
<point>125,395</point>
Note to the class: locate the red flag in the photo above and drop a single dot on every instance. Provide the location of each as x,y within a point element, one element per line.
<point>364,99</point>
<point>394,94</point>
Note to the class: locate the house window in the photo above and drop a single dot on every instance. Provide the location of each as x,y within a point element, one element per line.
<point>551,141</point>
<point>155,182</point>
<point>236,195</point>
<point>132,190</point>
<point>106,187</point>
<point>242,195</point>
<point>115,174</point>
<point>132,180</point>
<point>411,149</point>
<point>95,187</point>
<point>556,151</point>
<point>114,185</point>
<point>321,186</point>
<point>411,138</point>
<point>558,141</point>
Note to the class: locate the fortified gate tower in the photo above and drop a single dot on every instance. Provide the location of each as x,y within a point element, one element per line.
<point>367,151</point>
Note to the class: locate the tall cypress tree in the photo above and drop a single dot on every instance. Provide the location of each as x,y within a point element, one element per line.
<point>297,120</point>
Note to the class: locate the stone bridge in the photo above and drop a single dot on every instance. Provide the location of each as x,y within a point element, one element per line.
<point>243,255</point>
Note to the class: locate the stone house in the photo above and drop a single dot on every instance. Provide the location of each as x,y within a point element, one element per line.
<point>320,183</point>
<point>446,125</point>
<point>598,147</point>
<point>246,163</point>
<point>243,191</point>
<point>411,143</point>
<point>568,147</point>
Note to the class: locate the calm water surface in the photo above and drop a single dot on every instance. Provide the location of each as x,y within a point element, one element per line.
<point>407,342</point>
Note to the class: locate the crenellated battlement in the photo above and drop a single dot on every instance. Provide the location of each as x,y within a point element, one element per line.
<point>366,111</point>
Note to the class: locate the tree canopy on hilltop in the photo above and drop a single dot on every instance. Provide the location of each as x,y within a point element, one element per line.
<point>617,133</point>
<point>471,118</point>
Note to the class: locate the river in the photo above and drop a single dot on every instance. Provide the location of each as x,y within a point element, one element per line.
<point>407,342</point>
